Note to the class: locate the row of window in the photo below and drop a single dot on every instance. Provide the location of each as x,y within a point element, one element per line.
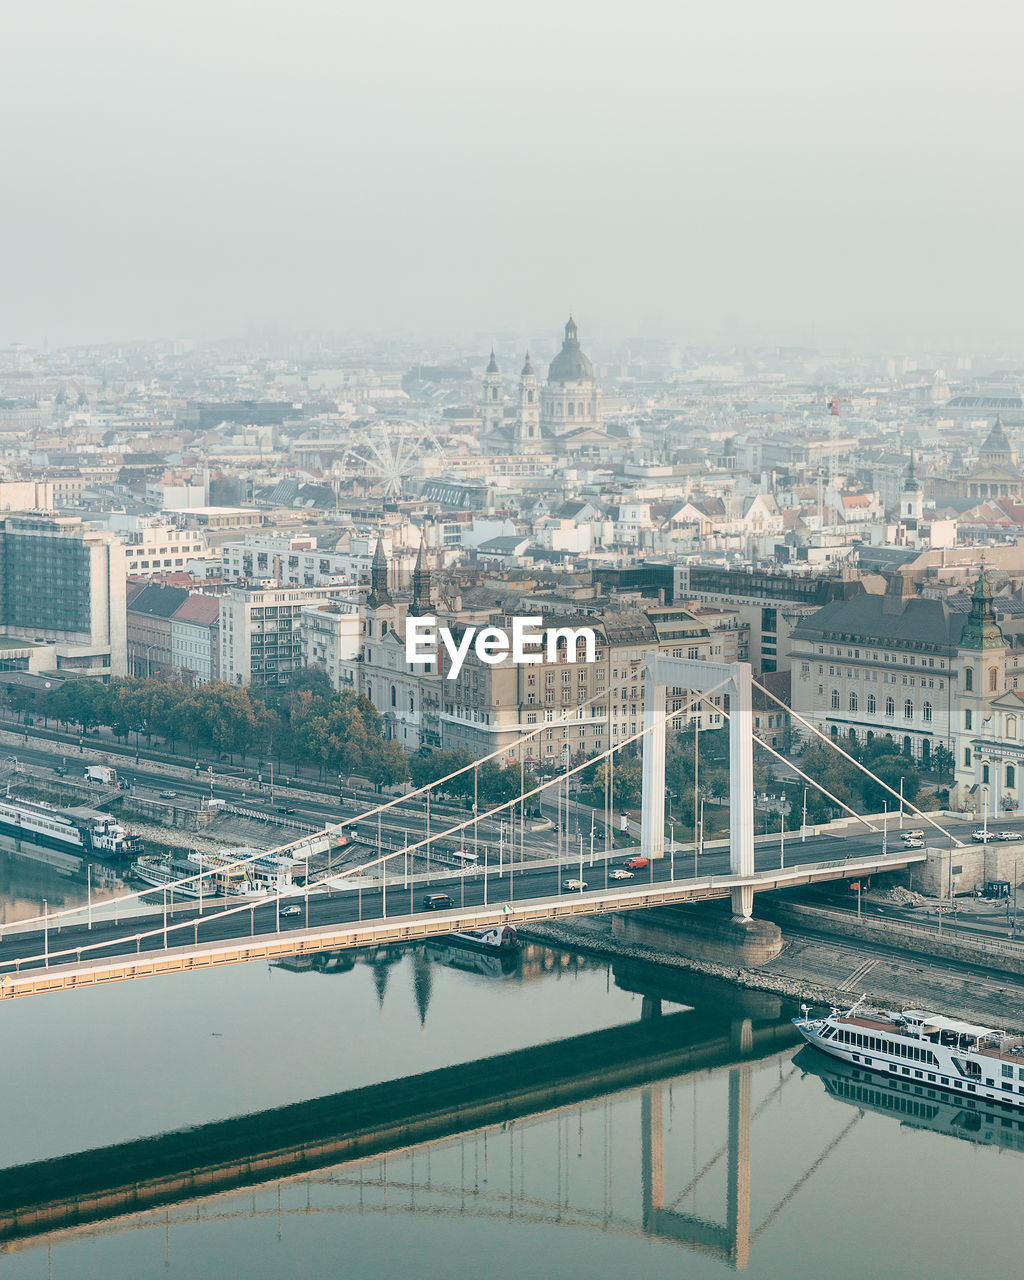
<point>881,1044</point>
<point>871,707</point>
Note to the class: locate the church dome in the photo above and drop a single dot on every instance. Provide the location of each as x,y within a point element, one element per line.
<point>570,365</point>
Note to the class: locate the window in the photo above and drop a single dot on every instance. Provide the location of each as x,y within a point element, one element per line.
<point>1011,776</point>
<point>835,699</point>
<point>908,710</point>
<point>394,696</point>
<point>853,702</point>
<point>926,712</point>
<point>992,677</point>
<point>890,707</point>
<point>968,719</point>
<point>984,773</point>
<point>967,757</point>
<point>968,680</point>
<point>872,704</point>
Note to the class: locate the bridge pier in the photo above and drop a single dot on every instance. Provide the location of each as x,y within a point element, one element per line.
<point>705,931</point>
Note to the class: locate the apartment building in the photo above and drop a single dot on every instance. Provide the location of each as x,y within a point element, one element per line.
<point>261,633</point>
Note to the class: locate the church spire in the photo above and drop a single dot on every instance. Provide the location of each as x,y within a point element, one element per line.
<point>910,485</point>
<point>379,593</point>
<point>421,589</point>
<point>981,631</point>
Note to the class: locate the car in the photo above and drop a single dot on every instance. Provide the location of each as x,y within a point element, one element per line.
<point>636,864</point>
<point>576,886</point>
<point>620,873</point>
<point>437,901</point>
<point>168,795</point>
<point>910,843</point>
<point>282,809</point>
<point>982,837</point>
<point>293,910</point>
<point>1011,835</point>
<point>912,835</point>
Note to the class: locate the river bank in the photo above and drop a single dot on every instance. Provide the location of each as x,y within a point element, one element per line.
<point>817,970</point>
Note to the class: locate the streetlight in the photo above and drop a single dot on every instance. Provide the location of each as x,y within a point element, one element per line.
<point>46,935</point>
<point>672,849</point>
<point>803,821</point>
<point>901,804</point>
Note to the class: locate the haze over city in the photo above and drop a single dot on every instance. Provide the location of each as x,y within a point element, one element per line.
<point>787,172</point>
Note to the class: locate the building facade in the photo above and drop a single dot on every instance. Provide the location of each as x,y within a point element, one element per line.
<point>62,586</point>
<point>261,632</point>
<point>880,666</point>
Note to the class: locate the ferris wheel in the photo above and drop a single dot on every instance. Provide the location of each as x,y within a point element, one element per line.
<point>386,455</point>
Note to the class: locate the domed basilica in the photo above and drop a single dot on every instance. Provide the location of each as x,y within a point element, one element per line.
<point>566,410</point>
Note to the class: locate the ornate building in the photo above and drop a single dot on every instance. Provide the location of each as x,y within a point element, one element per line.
<point>997,474</point>
<point>571,399</point>
<point>565,412</point>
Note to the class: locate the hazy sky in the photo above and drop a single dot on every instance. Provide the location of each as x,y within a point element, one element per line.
<point>803,170</point>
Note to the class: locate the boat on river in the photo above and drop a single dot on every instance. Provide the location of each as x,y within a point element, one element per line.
<point>923,1048</point>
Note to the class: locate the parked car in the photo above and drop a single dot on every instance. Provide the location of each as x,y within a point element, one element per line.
<point>437,901</point>
<point>1011,835</point>
<point>620,873</point>
<point>575,886</point>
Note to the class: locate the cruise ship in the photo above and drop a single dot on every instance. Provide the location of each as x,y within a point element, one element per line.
<point>923,1048</point>
<point>79,831</point>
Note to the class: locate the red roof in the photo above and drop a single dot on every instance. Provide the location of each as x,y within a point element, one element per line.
<point>204,610</point>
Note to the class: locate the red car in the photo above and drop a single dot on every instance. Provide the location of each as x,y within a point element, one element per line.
<point>636,864</point>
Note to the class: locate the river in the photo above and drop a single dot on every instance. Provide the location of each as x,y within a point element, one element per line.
<point>628,1121</point>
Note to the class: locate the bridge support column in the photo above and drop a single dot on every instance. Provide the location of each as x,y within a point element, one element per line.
<point>741,786</point>
<point>652,818</point>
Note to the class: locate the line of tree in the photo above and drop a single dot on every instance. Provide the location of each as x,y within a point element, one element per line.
<point>305,721</point>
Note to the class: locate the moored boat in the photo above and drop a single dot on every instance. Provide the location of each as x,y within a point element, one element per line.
<point>925,1048</point>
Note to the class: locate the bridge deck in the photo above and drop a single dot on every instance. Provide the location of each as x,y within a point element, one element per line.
<point>411,928</point>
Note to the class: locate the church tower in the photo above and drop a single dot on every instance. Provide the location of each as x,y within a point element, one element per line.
<point>494,399</point>
<point>981,678</point>
<point>528,417</point>
<point>911,501</point>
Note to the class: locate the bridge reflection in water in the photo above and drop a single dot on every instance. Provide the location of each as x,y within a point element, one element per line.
<point>457,1140</point>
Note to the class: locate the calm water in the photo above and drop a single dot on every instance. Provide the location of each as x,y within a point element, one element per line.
<point>758,1164</point>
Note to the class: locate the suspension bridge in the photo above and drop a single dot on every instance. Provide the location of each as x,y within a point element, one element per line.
<point>384,901</point>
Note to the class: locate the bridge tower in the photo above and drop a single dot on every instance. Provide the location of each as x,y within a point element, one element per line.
<point>734,680</point>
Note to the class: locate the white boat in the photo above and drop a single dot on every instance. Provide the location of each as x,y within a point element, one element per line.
<point>78,831</point>
<point>499,938</point>
<point>924,1048</point>
<point>164,872</point>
